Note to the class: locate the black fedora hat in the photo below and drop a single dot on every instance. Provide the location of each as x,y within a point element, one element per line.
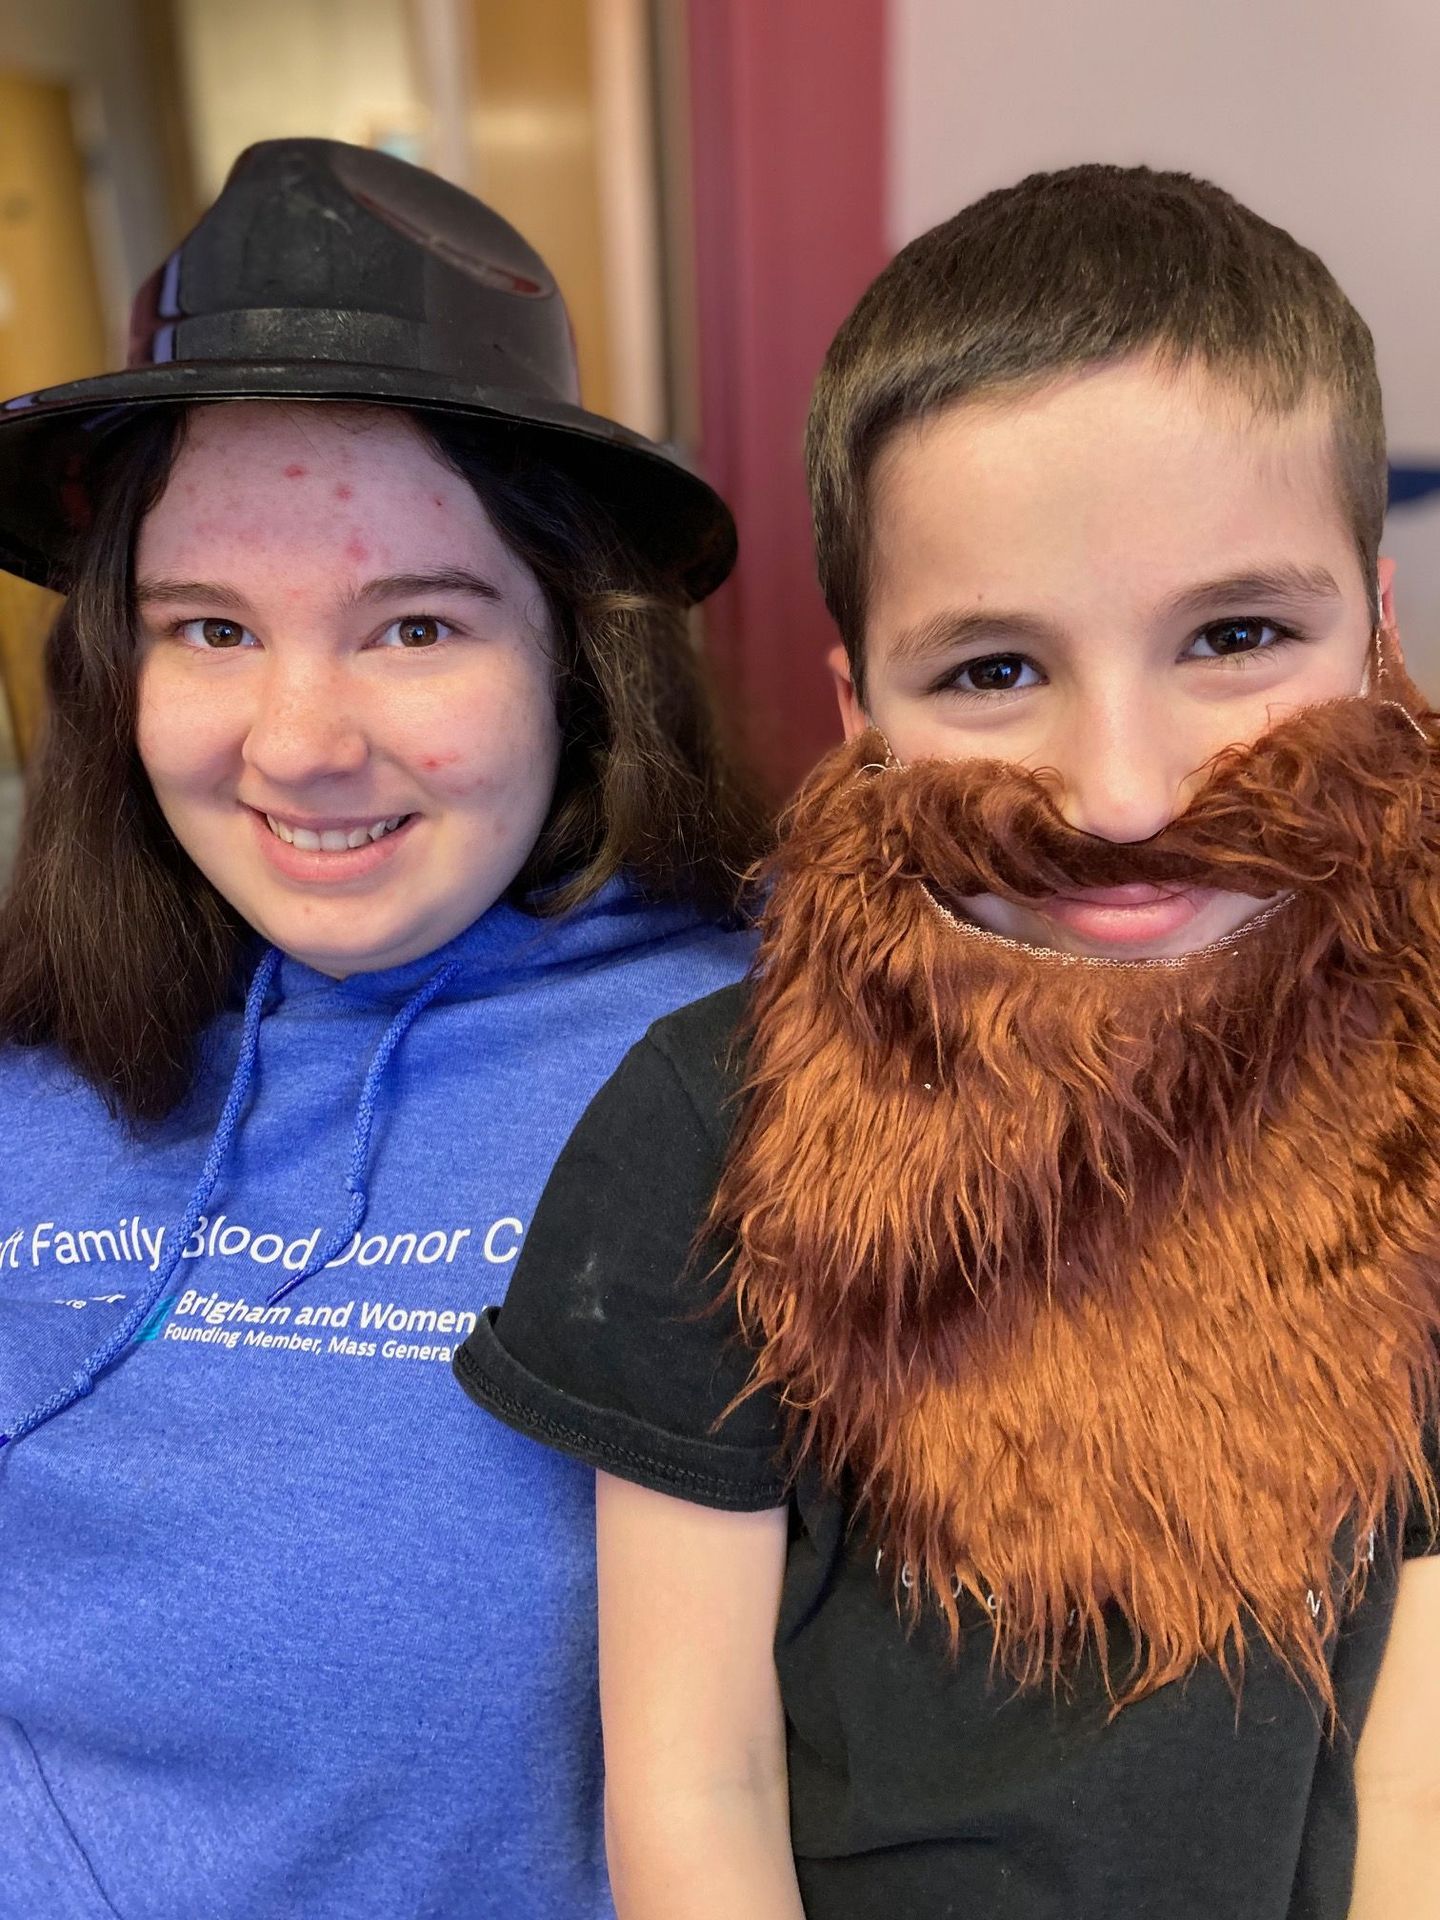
<point>330,272</point>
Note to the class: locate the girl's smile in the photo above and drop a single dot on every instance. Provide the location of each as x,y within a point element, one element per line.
<point>331,853</point>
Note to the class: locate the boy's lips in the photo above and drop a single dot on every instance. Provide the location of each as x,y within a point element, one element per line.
<point>1123,916</point>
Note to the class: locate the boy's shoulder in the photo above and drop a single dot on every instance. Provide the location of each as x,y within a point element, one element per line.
<point>704,1046</point>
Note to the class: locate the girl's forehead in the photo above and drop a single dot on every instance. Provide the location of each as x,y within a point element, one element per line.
<point>250,474</point>
<point>302,437</point>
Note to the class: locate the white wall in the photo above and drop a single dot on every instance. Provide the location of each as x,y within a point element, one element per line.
<point>1321,114</point>
<point>271,69</point>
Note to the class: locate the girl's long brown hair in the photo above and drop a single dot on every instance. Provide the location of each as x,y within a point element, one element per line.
<point>116,951</point>
<point>1106,1291</point>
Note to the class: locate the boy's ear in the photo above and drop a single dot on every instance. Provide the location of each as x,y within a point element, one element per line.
<point>853,717</point>
<point>1386,570</point>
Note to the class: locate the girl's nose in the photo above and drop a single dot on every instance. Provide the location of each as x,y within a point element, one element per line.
<point>305,727</point>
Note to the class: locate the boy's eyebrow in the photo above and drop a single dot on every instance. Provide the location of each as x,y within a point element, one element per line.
<point>1283,582</point>
<point>954,628</point>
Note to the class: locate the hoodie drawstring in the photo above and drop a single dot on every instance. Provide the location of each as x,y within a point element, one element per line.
<point>364,1122</point>
<point>82,1381</point>
<point>105,1355</point>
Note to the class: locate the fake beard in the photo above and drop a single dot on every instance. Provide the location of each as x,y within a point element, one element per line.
<point>1106,1283</point>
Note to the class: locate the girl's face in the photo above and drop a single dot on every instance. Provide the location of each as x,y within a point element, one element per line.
<point>346,696</point>
<point>1110,581</point>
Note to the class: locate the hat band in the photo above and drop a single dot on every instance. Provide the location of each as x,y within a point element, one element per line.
<point>270,334</point>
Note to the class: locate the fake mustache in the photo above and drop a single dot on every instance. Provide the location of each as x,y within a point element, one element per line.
<point>1329,787</point>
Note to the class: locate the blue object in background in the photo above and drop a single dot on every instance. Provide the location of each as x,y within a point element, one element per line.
<point>1411,483</point>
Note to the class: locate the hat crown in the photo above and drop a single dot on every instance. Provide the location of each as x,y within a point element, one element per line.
<point>317,251</point>
<point>331,273</point>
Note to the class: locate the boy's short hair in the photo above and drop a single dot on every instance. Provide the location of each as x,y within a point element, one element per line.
<point>1061,272</point>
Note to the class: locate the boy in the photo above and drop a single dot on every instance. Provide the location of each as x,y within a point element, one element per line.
<point>1078,1216</point>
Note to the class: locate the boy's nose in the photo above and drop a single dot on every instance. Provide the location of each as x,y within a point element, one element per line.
<point>1120,777</point>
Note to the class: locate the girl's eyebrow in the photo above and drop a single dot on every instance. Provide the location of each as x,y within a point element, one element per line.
<point>389,586</point>
<point>161,588</point>
<point>408,586</point>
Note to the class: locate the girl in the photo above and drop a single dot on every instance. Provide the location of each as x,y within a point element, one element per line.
<point>379,812</point>
<point>1044,1533</point>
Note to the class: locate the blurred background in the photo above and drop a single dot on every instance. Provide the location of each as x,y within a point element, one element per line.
<point>714,182</point>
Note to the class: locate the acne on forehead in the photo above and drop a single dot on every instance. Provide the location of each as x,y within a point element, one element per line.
<point>307,439</point>
<point>289,505</point>
<point>274,461</point>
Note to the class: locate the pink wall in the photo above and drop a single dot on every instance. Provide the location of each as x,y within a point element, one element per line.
<point>789,146</point>
<point>828,132</point>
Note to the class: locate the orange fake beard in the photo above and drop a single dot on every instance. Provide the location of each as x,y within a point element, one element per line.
<point>1106,1284</point>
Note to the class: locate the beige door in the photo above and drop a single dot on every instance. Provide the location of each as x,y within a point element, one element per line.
<point>50,322</point>
<point>534,130</point>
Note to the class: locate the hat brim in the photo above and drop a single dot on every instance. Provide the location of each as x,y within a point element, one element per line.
<point>675,521</point>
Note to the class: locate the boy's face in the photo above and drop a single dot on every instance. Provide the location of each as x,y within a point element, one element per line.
<point>1110,580</point>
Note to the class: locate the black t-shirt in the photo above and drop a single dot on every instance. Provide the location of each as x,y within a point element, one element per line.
<point>921,1784</point>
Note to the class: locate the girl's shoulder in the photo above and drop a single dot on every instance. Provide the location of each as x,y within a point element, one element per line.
<point>38,1080</point>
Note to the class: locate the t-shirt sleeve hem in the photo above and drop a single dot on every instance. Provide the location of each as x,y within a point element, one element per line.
<point>707,1473</point>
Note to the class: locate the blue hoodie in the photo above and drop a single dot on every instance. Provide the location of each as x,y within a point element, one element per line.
<point>285,1628</point>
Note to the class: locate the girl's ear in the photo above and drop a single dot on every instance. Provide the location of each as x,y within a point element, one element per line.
<point>853,717</point>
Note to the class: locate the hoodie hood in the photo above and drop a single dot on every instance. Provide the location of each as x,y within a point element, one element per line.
<point>506,947</point>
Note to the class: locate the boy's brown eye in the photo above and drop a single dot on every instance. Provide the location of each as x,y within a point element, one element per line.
<point>996,675</point>
<point>1236,636</point>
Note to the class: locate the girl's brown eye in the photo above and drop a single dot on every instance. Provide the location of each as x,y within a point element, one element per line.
<point>419,632</point>
<point>222,633</point>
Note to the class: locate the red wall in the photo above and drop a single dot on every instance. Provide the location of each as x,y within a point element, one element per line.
<point>789,139</point>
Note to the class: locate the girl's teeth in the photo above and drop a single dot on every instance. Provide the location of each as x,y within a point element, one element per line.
<point>333,839</point>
